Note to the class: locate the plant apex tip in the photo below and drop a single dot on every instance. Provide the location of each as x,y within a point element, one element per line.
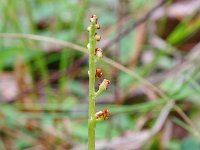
<point>94,19</point>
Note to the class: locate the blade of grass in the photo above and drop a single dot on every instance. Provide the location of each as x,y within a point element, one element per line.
<point>184,30</point>
<point>186,127</point>
<point>67,58</point>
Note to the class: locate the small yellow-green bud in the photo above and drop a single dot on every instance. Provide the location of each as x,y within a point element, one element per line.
<point>88,45</point>
<point>98,53</point>
<point>97,26</point>
<point>89,28</point>
<point>103,86</point>
<point>97,37</point>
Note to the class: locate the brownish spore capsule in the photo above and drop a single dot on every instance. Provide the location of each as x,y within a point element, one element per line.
<point>99,73</point>
<point>103,114</point>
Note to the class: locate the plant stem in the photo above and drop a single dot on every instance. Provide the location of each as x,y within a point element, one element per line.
<point>92,70</point>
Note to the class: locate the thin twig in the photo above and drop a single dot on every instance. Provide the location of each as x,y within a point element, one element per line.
<point>162,117</point>
<point>44,39</point>
<point>134,25</point>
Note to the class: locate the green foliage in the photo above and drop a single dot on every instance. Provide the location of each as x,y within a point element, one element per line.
<point>62,97</point>
<point>190,143</point>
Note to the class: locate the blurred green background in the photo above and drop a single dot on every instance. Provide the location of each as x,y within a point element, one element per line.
<point>44,74</point>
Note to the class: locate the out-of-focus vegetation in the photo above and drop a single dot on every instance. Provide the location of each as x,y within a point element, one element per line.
<point>154,97</point>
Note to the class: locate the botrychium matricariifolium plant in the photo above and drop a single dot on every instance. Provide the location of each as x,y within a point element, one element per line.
<point>95,55</point>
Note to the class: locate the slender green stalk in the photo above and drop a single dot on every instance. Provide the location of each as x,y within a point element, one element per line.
<point>95,54</point>
<point>92,71</point>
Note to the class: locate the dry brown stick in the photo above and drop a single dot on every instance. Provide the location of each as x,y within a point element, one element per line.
<point>134,25</point>
<point>139,41</point>
<point>122,9</point>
